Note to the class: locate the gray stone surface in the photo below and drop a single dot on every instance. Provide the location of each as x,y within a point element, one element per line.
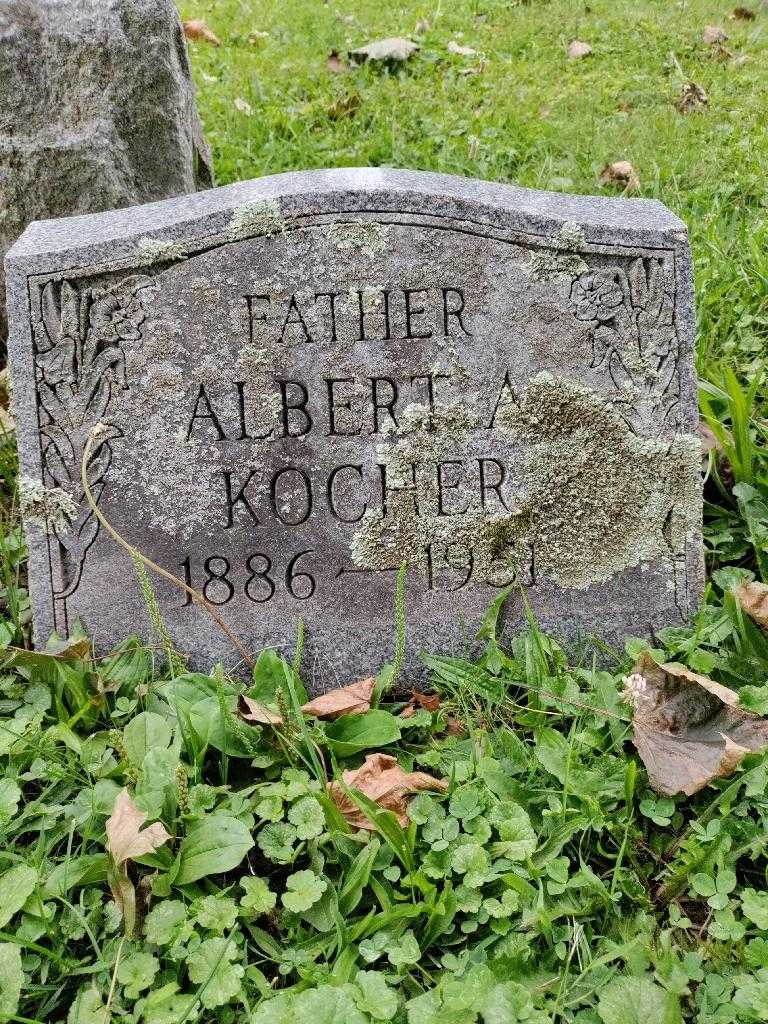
<point>98,110</point>
<point>515,367</point>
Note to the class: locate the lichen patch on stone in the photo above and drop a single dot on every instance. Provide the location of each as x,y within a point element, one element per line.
<point>159,250</point>
<point>369,237</point>
<point>51,508</point>
<point>259,217</point>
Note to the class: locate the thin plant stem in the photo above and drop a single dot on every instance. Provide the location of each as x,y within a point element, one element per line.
<point>134,552</point>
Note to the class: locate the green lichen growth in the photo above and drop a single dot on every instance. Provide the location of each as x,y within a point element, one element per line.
<point>259,217</point>
<point>51,508</point>
<point>592,498</point>
<point>367,236</point>
<point>561,261</point>
<point>603,498</point>
<point>158,250</point>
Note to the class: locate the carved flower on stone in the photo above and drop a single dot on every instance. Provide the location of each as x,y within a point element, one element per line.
<point>117,317</point>
<point>58,363</point>
<point>597,295</point>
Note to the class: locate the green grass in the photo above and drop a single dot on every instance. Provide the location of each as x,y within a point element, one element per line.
<point>532,116</point>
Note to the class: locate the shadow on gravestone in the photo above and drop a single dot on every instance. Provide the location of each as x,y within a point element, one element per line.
<point>97,111</point>
<point>302,381</point>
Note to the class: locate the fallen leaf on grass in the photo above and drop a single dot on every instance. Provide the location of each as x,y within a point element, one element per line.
<point>691,99</point>
<point>252,711</point>
<point>354,699</point>
<point>125,840</point>
<point>688,729</point>
<point>243,106</point>
<point>394,49</point>
<point>429,701</point>
<point>198,30</point>
<point>382,780</point>
<point>345,106</point>
<point>256,37</point>
<point>714,34</point>
<point>620,173</point>
<point>578,49</point>
<point>335,64</point>
<point>743,14</point>
<point>422,26</point>
<point>461,51</point>
<point>753,598</point>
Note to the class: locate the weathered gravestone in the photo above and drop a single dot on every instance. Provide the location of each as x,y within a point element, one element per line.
<point>304,380</point>
<point>98,110</point>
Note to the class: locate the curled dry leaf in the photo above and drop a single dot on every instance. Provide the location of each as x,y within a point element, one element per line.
<point>422,26</point>
<point>354,699</point>
<point>753,598</point>
<point>578,49</point>
<point>429,701</point>
<point>394,49</point>
<point>382,780</point>
<point>345,106</point>
<point>252,711</point>
<point>125,839</point>
<point>691,99</point>
<point>461,51</point>
<point>743,14</point>
<point>714,34</point>
<point>198,30</point>
<point>620,173</point>
<point>688,729</point>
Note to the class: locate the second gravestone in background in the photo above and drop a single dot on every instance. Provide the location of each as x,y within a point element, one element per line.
<point>307,379</point>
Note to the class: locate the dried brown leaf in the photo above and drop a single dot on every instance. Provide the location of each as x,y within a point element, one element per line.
<point>453,727</point>
<point>428,701</point>
<point>336,64</point>
<point>382,780</point>
<point>753,598</point>
<point>394,49</point>
<point>354,699</point>
<point>125,839</point>
<point>692,98</point>
<point>198,30</point>
<point>743,14</point>
<point>345,106</point>
<point>577,49</point>
<point>714,34</point>
<point>688,729</point>
<point>620,173</point>
<point>252,711</point>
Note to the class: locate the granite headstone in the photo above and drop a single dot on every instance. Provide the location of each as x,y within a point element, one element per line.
<point>305,380</point>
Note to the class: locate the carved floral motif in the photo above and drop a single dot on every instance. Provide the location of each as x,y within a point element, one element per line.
<point>79,360</point>
<point>633,339</point>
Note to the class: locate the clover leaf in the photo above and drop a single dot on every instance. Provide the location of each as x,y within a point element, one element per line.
<point>259,899</point>
<point>137,972</point>
<point>754,906</point>
<point>217,913</point>
<point>376,997</point>
<point>303,890</point>
<point>210,966</point>
<point>307,817</point>
<point>276,841</point>
<point>405,951</point>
